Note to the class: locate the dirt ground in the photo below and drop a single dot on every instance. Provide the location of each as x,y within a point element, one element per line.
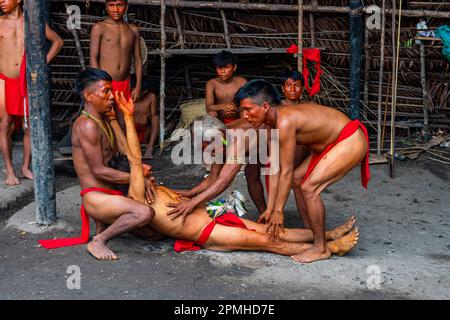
<point>403,252</point>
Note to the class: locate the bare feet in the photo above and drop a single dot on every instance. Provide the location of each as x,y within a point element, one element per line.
<point>342,230</point>
<point>27,174</point>
<point>312,254</point>
<point>148,155</point>
<point>345,244</point>
<point>11,179</point>
<point>100,251</point>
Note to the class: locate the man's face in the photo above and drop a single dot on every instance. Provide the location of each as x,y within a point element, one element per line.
<point>292,89</point>
<point>255,114</point>
<point>225,73</point>
<point>7,6</point>
<point>100,96</point>
<point>116,9</point>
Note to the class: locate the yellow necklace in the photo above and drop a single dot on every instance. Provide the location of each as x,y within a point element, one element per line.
<point>109,133</point>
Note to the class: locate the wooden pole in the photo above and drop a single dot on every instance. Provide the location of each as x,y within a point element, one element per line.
<point>162,88</point>
<point>312,29</point>
<point>40,118</point>
<point>78,46</point>
<point>366,66</point>
<point>300,37</point>
<point>225,29</point>
<point>356,35</point>
<point>179,28</point>
<point>423,81</point>
<point>380,77</point>
<point>269,7</point>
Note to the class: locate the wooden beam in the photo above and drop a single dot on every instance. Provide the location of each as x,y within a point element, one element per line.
<point>269,7</point>
<point>423,82</point>
<point>179,28</point>
<point>217,50</point>
<point>300,37</point>
<point>225,29</point>
<point>162,87</point>
<point>40,118</point>
<point>380,76</point>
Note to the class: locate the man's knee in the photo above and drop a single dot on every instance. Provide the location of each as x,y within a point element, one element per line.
<point>144,215</point>
<point>6,125</point>
<point>309,190</point>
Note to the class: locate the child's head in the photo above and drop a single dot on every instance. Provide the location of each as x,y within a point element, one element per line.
<point>116,9</point>
<point>293,83</point>
<point>225,63</point>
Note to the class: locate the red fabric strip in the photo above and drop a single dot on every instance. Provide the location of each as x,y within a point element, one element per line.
<point>123,86</point>
<point>85,227</point>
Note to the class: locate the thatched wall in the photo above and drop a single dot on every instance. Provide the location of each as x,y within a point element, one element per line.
<point>203,29</point>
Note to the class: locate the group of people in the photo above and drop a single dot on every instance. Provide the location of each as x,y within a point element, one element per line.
<point>318,145</point>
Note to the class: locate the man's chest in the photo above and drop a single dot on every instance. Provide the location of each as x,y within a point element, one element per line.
<point>121,37</point>
<point>11,37</point>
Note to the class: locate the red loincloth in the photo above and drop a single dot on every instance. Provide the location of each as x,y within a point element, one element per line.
<point>229,120</point>
<point>346,132</point>
<point>16,96</point>
<point>227,219</point>
<point>123,86</point>
<point>140,129</point>
<point>85,227</point>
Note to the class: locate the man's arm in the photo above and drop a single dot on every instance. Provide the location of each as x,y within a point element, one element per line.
<point>57,43</point>
<point>212,177</point>
<point>137,64</point>
<point>90,137</point>
<point>94,53</point>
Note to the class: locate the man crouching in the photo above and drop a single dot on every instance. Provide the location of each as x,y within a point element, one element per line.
<point>94,144</point>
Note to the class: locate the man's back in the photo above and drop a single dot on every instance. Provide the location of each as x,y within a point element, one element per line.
<point>113,45</point>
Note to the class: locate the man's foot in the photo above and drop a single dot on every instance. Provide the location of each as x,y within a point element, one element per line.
<point>148,155</point>
<point>312,254</point>
<point>11,180</point>
<point>100,251</point>
<point>27,174</point>
<point>343,245</point>
<point>342,230</point>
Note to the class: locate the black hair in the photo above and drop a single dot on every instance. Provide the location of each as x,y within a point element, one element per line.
<point>88,77</point>
<point>224,58</point>
<point>259,91</point>
<point>145,86</point>
<point>294,75</point>
<point>126,1</point>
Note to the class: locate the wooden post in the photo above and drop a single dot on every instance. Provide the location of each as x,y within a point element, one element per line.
<point>225,29</point>
<point>366,66</point>
<point>312,28</point>
<point>40,119</point>
<point>179,28</point>
<point>423,81</point>
<point>162,88</point>
<point>356,34</point>
<point>78,46</point>
<point>188,80</point>
<point>380,76</point>
<point>300,37</point>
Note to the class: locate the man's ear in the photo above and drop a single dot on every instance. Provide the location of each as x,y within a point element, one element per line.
<point>87,94</point>
<point>266,106</point>
<point>235,68</point>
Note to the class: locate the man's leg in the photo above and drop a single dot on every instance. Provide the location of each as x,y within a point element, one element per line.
<point>255,187</point>
<point>6,131</point>
<point>121,214</point>
<point>330,169</point>
<point>299,173</point>
<point>26,172</point>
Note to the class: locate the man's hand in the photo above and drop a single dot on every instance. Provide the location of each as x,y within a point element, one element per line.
<point>136,94</point>
<point>127,107</point>
<point>275,225</point>
<point>264,218</point>
<point>147,170</point>
<point>111,114</point>
<point>183,209</point>
<point>184,193</point>
<point>230,110</point>
<point>150,189</point>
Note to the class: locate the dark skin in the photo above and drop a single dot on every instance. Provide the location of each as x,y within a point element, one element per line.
<point>292,90</point>
<point>317,127</point>
<point>113,43</point>
<point>220,178</point>
<point>220,92</point>
<point>91,152</point>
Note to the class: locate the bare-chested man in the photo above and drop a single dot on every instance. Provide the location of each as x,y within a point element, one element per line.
<point>337,145</point>
<point>146,117</point>
<point>113,44</point>
<point>13,92</point>
<point>220,91</point>
<point>93,147</point>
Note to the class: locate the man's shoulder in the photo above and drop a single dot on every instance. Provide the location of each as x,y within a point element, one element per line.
<point>240,79</point>
<point>85,126</point>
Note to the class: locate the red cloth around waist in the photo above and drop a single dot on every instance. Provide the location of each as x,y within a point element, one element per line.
<point>16,97</point>
<point>140,130</point>
<point>229,120</point>
<point>123,86</point>
<point>346,132</point>
<point>85,227</point>
<point>227,219</point>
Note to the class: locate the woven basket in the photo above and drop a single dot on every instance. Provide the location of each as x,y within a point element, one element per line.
<point>190,111</point>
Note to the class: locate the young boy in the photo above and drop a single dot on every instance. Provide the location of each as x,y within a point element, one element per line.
<point>146,110</point>
<point>113,43</point>
<point>13,90</point>
<point>293,84</point>
<point>220,91</point>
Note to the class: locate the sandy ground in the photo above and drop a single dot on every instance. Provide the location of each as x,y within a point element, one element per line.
<point>403,253</point>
